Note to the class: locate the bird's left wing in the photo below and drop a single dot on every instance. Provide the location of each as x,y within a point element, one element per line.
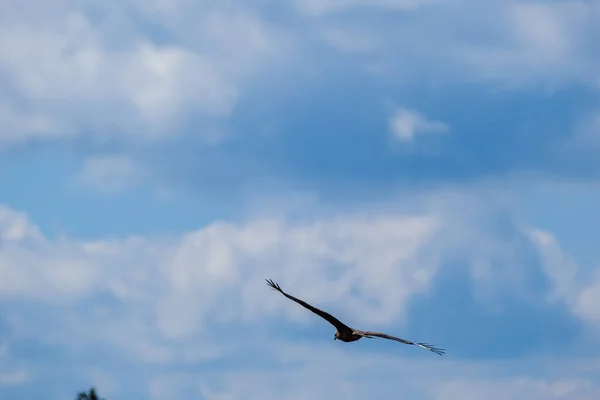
<point>429,347</point>
<point>339,325</point>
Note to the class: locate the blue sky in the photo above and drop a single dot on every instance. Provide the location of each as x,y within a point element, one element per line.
<point>423,168</point>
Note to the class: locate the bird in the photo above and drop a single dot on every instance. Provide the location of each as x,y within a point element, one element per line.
<point>344,332</point>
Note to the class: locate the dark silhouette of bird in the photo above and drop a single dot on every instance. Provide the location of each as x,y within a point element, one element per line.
<point>344,332</point>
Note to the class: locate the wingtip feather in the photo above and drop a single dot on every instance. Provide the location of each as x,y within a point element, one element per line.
<point>273,285</point>
<point>433,349</point>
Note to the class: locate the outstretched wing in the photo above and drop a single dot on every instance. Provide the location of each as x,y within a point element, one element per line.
<point>429,347</point>
<point>340,326</point>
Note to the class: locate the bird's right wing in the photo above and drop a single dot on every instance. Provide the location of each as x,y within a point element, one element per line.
<point>426,346</point>
<point>340,326</point>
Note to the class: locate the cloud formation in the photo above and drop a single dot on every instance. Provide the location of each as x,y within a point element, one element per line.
<point>144,70</point>
<point>92,67</point>
<point>406,123</point>
<point>180,299</point>
<point>110,173</point>
<point>159,160</point>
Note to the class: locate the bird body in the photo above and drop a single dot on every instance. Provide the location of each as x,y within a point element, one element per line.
<point>346,334</point>
<point>347,337</point>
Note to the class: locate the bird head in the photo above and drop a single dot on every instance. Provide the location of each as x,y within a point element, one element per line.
<point>336,335</point>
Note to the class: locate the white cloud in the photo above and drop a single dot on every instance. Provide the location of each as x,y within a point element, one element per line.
<point>161,80</point>
<point>91,68</point>
<point>380,376</point>
<point>21,125</point>
<point>510,49</point>
<point>137,69</point>
<point>375,262</point>
<point>110,173</point>
<point>588,301</point>
<point>181,280</point>
<point>560,269</point>
<point>15,226</point>
<point>405,124</point>
<point>539,41</point>
<point>322,7</point>
<point>580,294</point>
<point>183,299</point>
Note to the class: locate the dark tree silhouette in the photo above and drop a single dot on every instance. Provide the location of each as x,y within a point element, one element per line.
<point>91,395</point>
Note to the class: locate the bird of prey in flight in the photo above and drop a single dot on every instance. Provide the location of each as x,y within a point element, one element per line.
<point>344,332</point>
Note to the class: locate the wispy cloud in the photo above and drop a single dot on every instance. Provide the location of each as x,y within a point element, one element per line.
<point>319,8</point>
<point>586,304</point>
<point>110,174</point>
<point>554,48</point>
<point>13,378</point>
<point>406,124</point>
